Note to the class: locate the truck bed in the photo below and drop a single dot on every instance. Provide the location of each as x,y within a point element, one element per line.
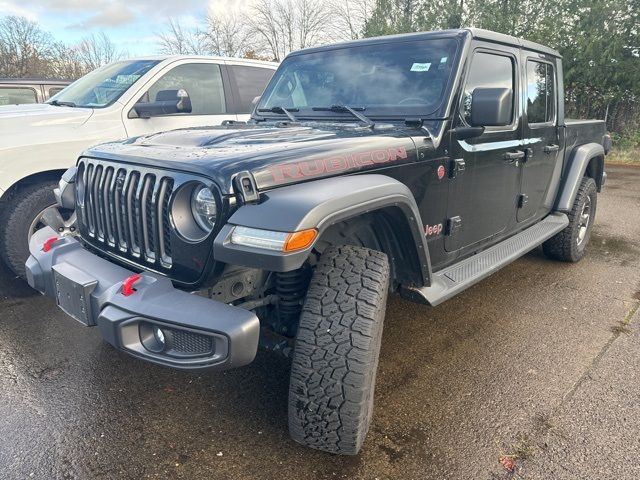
<point>579,132</point>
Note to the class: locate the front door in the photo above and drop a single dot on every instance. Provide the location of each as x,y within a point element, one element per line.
<point>485,170</point>
<point>203,82</point>
<point>540,128</point>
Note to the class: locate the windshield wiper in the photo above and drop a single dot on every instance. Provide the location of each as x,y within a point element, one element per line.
<point>345,109</point>
<point>280,111</point>
<point>57,103</point>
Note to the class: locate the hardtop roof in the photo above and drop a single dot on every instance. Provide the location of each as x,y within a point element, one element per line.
<point>478,33</point>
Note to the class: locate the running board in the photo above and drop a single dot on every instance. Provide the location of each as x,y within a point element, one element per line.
<point>452,280</point>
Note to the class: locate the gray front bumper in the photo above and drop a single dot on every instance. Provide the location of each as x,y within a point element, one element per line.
<point>202,333</point>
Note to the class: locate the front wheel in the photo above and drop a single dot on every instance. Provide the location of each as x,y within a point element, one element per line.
<point>30,209</point>
<point>334,366</point>
<point>569,245</point>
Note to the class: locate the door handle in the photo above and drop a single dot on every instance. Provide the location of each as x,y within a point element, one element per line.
<point>551,148</point>
<point>511,157</point>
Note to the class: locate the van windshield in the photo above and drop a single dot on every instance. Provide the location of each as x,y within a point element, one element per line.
<point>103,86</point>
<point>388,80</point>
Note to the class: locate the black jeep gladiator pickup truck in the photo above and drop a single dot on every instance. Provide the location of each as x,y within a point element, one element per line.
<point>416,163</point>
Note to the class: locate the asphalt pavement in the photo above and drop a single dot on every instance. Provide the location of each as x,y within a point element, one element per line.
<point>533,373</point>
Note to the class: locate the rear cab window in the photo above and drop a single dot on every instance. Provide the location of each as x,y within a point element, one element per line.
<point>17,95</point>
<point>541,92</point>
<point>250,83</point>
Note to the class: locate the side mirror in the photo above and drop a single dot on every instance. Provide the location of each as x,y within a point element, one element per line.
<point>491,107</point>
<point>167,102</point>
<point>255,100</point>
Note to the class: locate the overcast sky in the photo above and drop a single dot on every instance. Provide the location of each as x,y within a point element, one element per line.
<point>130,24</point>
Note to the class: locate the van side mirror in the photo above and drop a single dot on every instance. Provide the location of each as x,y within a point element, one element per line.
<point>167,102</point>
<point>255,100</point>
<point>491,107</point>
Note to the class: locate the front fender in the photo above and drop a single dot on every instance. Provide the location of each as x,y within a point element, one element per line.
<point>319,204</point>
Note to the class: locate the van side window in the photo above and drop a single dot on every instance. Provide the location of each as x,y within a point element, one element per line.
<point>17,96</point>
<point>487,71</point>
<point>203,83</point>
<point>540,92</point>
<point>251,82</point>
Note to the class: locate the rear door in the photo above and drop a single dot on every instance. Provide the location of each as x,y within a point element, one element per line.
<point>483,192</point>
<point>542,134</point>
<point>205,84</point>
<point>247,82</point>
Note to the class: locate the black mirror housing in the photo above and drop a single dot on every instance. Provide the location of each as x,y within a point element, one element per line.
<point>167,102</point>
<point>491,107</point>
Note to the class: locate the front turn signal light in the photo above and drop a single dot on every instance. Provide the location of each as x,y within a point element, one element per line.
<point>300,240</point>
<point>270,240</point>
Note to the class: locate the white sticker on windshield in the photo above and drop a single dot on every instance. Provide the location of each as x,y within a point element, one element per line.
<point>444,59</point>
<point>420,67</point>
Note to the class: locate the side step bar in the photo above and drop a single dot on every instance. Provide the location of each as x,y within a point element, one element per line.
<point>452,280</point>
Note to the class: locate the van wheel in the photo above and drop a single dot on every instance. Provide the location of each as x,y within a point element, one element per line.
<point>337,347</point>
<point>569,245</point>
<point>30,209</point>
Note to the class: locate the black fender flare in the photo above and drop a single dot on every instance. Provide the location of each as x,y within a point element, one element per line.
<point>319,204</point>
<point>580,159</point>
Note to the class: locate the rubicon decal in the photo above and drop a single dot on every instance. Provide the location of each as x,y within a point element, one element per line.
<point>340,163</point>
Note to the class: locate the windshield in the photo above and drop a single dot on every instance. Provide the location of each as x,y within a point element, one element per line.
<point>392,79</point>
<point>104,85</point>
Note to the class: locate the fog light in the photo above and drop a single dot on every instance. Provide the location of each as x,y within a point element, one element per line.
<point>159,336</point>
<point>152,337</point>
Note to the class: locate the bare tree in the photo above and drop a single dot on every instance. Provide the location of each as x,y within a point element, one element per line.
<point>282,26</point>
<point>227,34</point>
<point>25,49</point>
<point>97,50</point>
<point>177,40</point>
<point>349,17</point>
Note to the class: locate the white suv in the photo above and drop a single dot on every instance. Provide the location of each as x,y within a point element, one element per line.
<point>124,99</point>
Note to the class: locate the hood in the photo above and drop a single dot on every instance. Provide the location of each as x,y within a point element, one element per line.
<point>275,154</point>
<point>15,119</point>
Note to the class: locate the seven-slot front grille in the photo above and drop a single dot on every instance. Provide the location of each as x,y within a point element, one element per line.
<point>126,209</point>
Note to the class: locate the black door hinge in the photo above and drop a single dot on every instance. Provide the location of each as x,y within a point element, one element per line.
<point>453,225</point>
<point>456,166</point>
<point>522,200</point>
<point>245,187</point>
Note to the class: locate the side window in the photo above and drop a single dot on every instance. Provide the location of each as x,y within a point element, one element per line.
<point>55,90</point>
<point>203,83</point>
<point>17,96</point>
<point>487,71</point>
<point>540,92</point>
<point>251,82</point>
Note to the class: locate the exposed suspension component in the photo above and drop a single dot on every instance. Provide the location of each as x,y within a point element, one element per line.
<point>291,288</point>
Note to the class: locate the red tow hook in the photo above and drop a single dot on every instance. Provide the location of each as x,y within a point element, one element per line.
<point>48,244</point>
<point>127,285</point>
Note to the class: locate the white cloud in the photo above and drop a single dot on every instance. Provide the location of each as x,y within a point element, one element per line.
<point>10,8</point>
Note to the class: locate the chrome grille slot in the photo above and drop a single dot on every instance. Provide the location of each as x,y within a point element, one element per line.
<point>127,209</point>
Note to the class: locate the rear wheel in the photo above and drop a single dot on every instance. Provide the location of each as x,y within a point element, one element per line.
<point>337,347</point>
<point>30,209</point>
<point>569,245</point>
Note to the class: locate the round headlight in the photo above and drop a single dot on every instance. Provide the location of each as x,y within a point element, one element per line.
<point>204,208</point>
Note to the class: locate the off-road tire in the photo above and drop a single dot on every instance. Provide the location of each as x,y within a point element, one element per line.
<point>337,347</point>
<point>564,245</point>
<point>15,222</point>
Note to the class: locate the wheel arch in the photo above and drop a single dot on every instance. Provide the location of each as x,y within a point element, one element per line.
<point>585,160</point>
<point>375,202</point>
<point>39,177</point>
